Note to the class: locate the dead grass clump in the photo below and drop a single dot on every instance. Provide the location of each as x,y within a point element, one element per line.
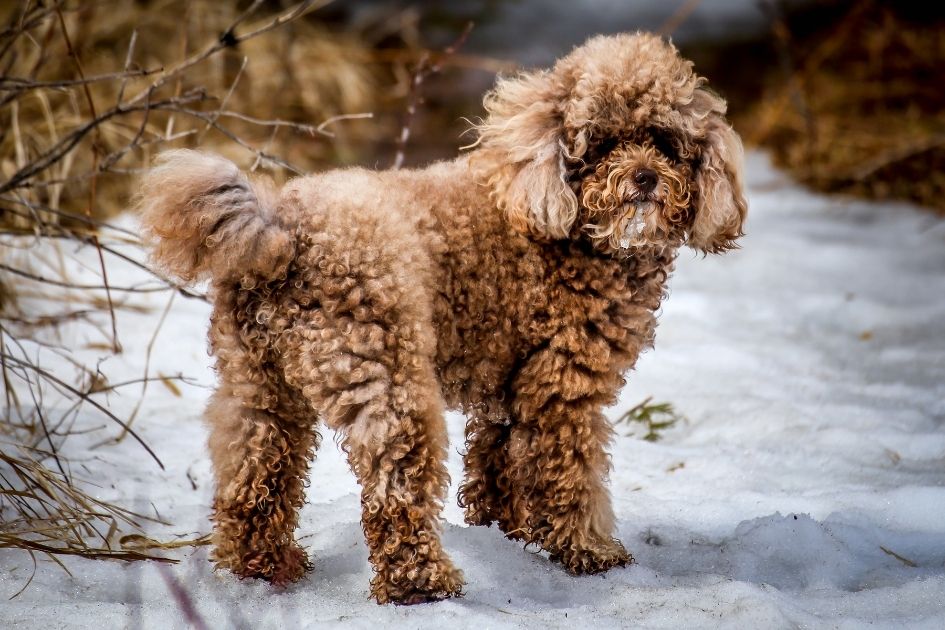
<point>44,506</point>
<point>89,91</point>
<point>43,511</point>
<point>857,106</point>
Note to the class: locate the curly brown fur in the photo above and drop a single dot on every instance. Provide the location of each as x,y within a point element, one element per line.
<point>518,284</point>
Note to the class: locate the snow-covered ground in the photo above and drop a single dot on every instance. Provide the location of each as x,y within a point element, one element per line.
<point>805,489</point>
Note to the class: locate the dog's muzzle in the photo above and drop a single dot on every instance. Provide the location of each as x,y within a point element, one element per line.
<point>635,222</point>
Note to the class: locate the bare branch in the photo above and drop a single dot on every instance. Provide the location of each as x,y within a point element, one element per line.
<point>85,397</point>
<point>68,142</point>
<point>20,85</point>
<point>321,128</point>
<point>423,70</point>
<point>128,55</point>
<point>229,93</point>
<point>81,287</point>
<point>229,39</point>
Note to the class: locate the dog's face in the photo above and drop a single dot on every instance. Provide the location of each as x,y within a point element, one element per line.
<point>633,192</point>
<point>619,144</point>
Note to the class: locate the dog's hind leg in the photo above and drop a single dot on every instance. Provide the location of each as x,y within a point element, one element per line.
<point>260,462</point>
<point>364,360</point>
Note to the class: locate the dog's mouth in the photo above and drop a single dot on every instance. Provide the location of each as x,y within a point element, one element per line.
<point>633,220</point>
<point>625,226</point>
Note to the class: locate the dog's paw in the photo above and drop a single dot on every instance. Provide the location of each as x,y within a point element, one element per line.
<point>281,567</point>
<point>443,581</point>
<point>594,559</point>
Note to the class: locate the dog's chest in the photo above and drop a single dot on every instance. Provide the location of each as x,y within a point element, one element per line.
<point>494,308</point>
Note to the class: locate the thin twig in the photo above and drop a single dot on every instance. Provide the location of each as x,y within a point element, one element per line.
<point>11,540</point>
<point>262,155</point>
<point>906,561</point>
<point>116,347</point>
<point>408,56</point>
<point>68,142</point>
<point>114,156</point>
<point>44,229</point>
<point>137,381</point>
<point>58,381</point>
<point>23,25</point>
<point>52,446</point>
<point>679,16</point>
<point>50,320</point>
<point>147,366</point>
<point>216,113</point>
<point>124,74</point>
<point>83,287</point>
<point>330,121</point>
<point>25,85</point>
<point>297,126</point>
<point>229,39</point>
<point>423,70</point>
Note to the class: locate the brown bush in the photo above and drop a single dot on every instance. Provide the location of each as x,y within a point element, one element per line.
<point>856,105</point>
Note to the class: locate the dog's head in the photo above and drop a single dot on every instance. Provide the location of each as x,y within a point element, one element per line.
<point>620,143</point>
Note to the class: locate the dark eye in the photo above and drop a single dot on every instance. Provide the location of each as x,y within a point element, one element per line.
<point>589,161</point>
<point>664,144</point>
<point>604,148</point>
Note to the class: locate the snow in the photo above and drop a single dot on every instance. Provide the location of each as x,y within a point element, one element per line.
<point>810,367</point>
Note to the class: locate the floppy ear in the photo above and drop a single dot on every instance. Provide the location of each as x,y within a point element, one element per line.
<point>720,205</point>
<point>522,156</point>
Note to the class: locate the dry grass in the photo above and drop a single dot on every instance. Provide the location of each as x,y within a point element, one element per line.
<point>857,106</point>
<point>89,91</point>
<point>44,511</point>
<point>45,507</point>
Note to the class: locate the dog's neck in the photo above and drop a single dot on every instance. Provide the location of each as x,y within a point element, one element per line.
<point>580,241</point>
<point>634,263</point>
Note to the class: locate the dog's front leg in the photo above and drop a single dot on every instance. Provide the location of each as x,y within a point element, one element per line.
<point>557,462</point>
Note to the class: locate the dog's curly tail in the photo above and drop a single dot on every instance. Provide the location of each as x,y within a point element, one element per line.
<point>205,218</point>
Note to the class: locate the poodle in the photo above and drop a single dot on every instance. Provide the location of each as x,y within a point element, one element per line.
<point>517,283</point>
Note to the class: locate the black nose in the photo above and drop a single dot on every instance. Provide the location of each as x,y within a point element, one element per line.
<point>645,179</point>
